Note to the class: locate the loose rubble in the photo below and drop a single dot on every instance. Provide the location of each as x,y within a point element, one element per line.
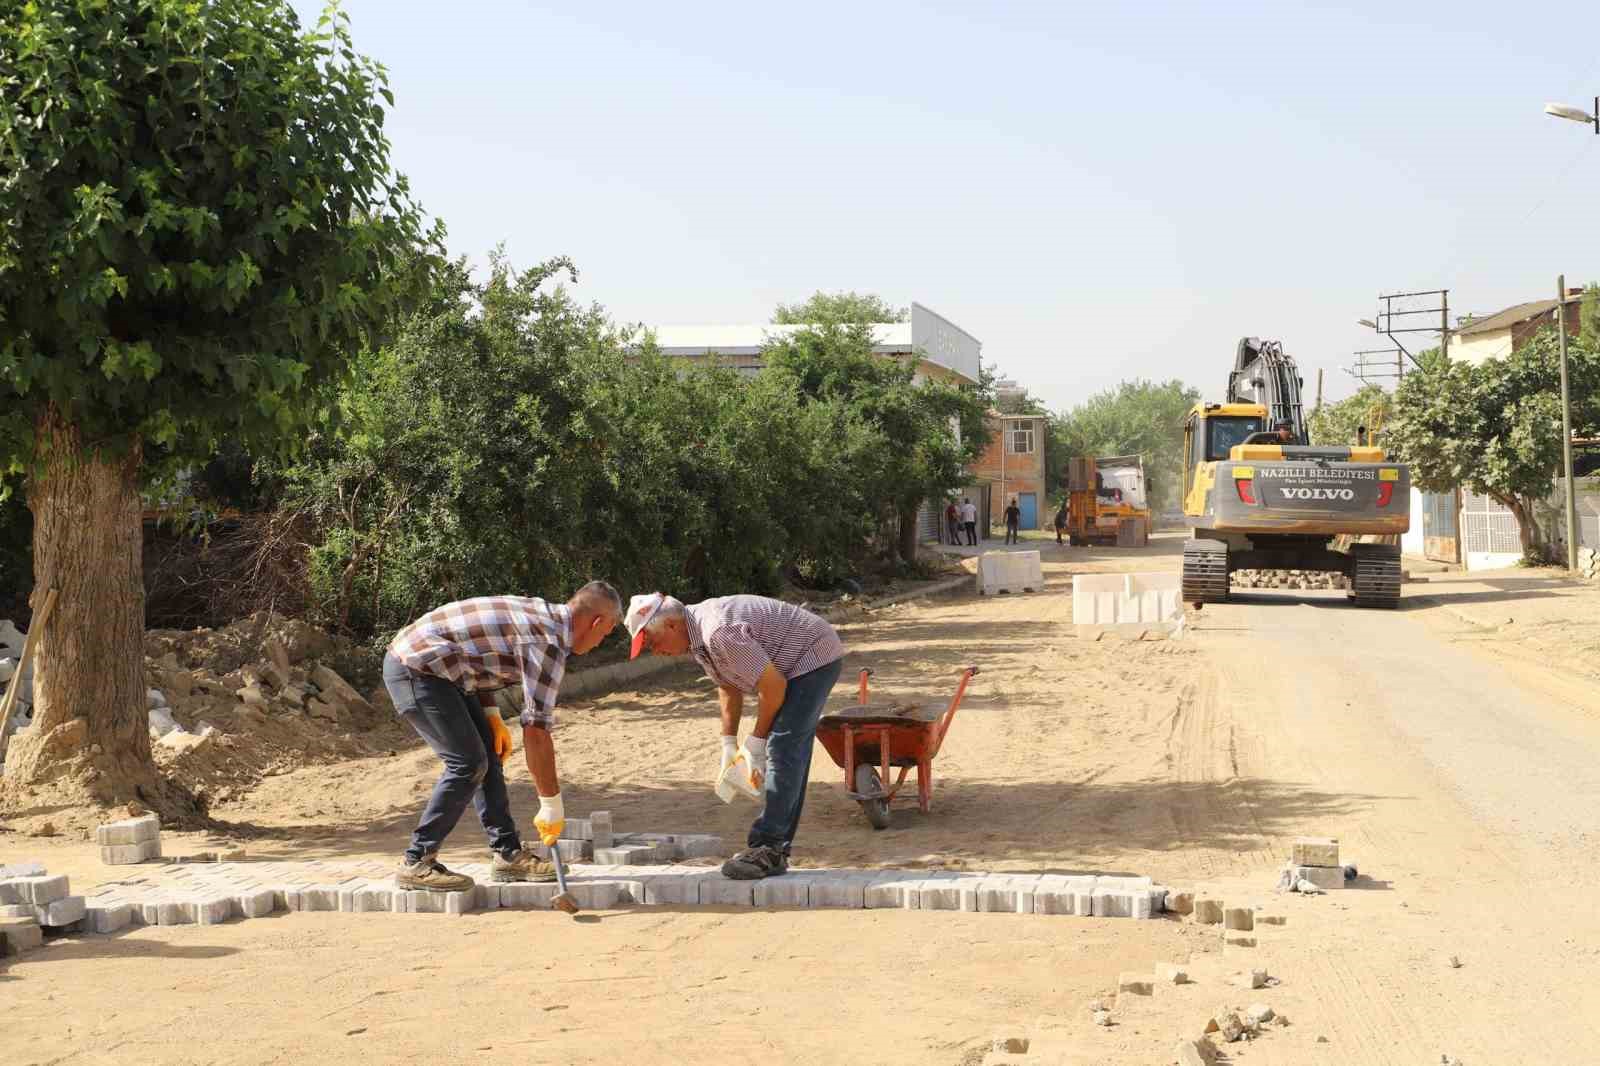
<point>1288,579</point>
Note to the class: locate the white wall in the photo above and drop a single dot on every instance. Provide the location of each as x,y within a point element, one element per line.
<point>1412,541</point>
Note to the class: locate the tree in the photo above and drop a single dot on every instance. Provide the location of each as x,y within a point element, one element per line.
<point>1495,427</point>
<point>1589,318</point>
<point>202,224</point>
<point>1136,418</point>
<point>1337,423</point>
<point>838,308</point>
<point>920,458</point>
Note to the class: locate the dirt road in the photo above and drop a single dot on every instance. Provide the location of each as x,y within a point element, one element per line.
<point>1452,745</point>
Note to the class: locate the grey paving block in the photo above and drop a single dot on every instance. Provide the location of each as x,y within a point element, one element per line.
<point>889,891</point>
<point>1112,904</point>
<point>257,903</point>
<point>628,855</point>
<point>600,829</point>
<point>701,846</point>
<point>526,896</point>
<point>675,889</point>
<point>577,829</point>
<point>213,910</point>
<point>18,935</point>
<point>174,912</point>
<point>22,869</point>
<point>719,891</point>
<point>790,890</point>
<point>940,894</point>
<point>16,910</point>
<point>486,895</point>
<point>596,895</point>
<point>1326,878</point>
<point>842,888</point>
<point>571,850</point>
<point>62,912</point>
<point>998,895</point>
<point>1144,905</point>
<point>1240,918</point>
<point>11,892</point>
<point>312,898</point>
<point>42,890</point>
<point>110,918</point>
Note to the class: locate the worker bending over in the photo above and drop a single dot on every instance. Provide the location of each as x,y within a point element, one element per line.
<point>441,671</point>
<point>786,657</point>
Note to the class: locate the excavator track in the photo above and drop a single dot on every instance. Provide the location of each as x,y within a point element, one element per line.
<point>1205,571</point>
<point>1374,575</point>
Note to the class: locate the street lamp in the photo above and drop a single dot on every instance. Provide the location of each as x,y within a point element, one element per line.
<point>1576,114</point>
<point>1367,322</point>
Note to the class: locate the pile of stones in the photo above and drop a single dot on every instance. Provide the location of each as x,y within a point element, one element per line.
<point>1288,579</point>
<point>32,903</point>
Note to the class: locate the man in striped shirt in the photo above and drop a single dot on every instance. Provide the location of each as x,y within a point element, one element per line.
<point>442,671</point>
<point>786,657</point>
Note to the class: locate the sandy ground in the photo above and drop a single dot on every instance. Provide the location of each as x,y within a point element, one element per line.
<point>1452,746</point>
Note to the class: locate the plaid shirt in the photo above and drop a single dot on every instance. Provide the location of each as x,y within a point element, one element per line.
<point>733,638</point>
<point>493,642</point>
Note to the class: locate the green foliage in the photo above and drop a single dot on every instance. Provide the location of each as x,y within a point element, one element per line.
<point>838,308</point>
<point>510,440</point>
<point>1589,318</point>
<point>920,459</point>
<point>1136,418</point>
<point>1337,423</point>
<point>16,558</point>
<point>201,222</point>
<point>1495,427</point>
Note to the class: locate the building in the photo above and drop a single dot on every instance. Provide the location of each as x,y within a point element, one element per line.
<point>1498,335</point>
<point>1013,466</point>
<point>947,351</point>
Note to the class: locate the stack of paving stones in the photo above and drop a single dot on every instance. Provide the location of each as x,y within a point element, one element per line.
<point>206,893</point>
<point>130,841</point>
<point>1314,859</point>
<point>32,903</point>
<point>1287,579</point>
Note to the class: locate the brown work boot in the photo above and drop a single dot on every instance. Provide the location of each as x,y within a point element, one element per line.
<point>521,865</point>
<point>430,875</point>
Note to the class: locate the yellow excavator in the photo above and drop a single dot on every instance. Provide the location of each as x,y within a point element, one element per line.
<point>1259,496</point>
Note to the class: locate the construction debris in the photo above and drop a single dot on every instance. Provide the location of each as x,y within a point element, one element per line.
<point>1288,579</point>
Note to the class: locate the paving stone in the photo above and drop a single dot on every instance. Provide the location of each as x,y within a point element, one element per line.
<point>596,895</point>
<point>110,918</point>
<point>213,910</point>
<point>1145,905</point>
<point>572,851</point>
<point>889,891</point>
<point>1192,1053</point>
<point>790,890</point>
<point>18,935</point>
<point>940,892</point>
<point>1240,918</point>
<point>1326,878</point>
<point>41,890</point>
<point>22,869</point>
<point>628,855</point>
<point>1314,851</point>
<point>721,891</point>
<point>173,912</point>
<point>16,910</point>
<point>577,829</point>
<point>129,831</point>
<point>423,902</point>
<point>1257,978</point>
<point>1180,902</point>
<point>62,912</point>
<point>1240,940</point>
<point>1170,973</point>
<point>1208,911</point>
<point>486,895</point>
<point>11,892</point>
<point>1108,904</point>
<point>522,895</point>
<point>312,898</point>
<point>999,895</point>
<point>600,831</point>
<point>1271,919</point>
<point>257,903</point>
<point>1138,984</point>
<point>701,846</point>
<point>1259,1013</point>
<point>844,889</point>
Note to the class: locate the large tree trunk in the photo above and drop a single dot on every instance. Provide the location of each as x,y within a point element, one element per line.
<point>1527,524</point>
<point>90,739</point>
<point>908,534</point>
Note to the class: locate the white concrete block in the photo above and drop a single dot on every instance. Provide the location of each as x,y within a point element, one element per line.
<point>486,895</point>
<point>1326,878</point>
<point>790,890</point>
<point>1011,572</point>
<point>212,910</point>
<point>63,911</point>
<point>42,890</point>
<point>524,895</point>
<point>846,889</point>
<point>577,829</point>
<point>1314,851</point>
<point>11,892</point>
<point>596,895</point>
<point>940,894</point>
<point>628,855</point>
<point>256,903</point>
<point>129,854</point>
<point>601,834</point>
<point>889,891</point>
<point>22,869</point>
<point>109,918</point>
<point>1112,904</point>
<point>720,891</point>
<point>174,912</point>
<point>1126,599</point>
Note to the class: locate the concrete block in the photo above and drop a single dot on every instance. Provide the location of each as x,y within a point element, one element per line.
<point>1240,918</point>
<point>720,891</point>
<point>1314,851</point>
<point>174,912</point>
<point>628,855</point>
<point>16,910</point>
<point>577,829</point>
<point>18,935</point>
<point>22,869</point>
<point>1180,902</point>
<point>790,890</point>
<point>523,895</point>
<point>1193,1053</point>
<point>257,903</point>
<point>1009,572</point>
<point>1003,894</point>
<point>129,854</point>
<point>600,830</point>
<point>420,901</point>
<point>1239,940</point>
<point>596,895</point>
<point>1126,599</point>
<point>1271,919</point>
<point>1145,905</point>
<point>129,831</point>
<point>1170,973</point>
<point>940,893</point>
<point>701,846</point>
<point>109,918</point>
<point>212,910</point>
<point>486,895</point>
<point>11,893</point>
<point>1108,904</point>
<point>313,898</point>
<point>1138,984</point>
<point>61,912</point>
<point>1257,978</point>
<point>839,889</point>
<point>1326,878</point>
<point>42,890</point>
<point>1048,900</point>
<point>1208,911</point>
<point>571,850</point>
<point>888,892</point>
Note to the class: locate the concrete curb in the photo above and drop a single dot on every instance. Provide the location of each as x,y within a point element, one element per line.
<point>604,679</point>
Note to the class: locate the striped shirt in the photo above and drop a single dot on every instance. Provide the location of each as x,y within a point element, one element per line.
<point>733,638</point>
<point>493,642</point>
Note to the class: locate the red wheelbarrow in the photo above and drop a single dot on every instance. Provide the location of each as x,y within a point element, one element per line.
<point>868,738</point>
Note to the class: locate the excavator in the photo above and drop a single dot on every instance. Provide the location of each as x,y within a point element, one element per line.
<point>1259,496</point>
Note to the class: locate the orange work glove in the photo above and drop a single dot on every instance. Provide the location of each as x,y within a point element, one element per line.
<point>500,735</point>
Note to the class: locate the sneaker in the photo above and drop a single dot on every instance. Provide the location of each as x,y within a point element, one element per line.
<point>430,875</point>
<point>521,865</point>
<point>751,864</point>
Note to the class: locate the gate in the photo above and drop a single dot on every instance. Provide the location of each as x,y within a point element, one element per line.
<point>1441,539</point>
<point>1488,533</point>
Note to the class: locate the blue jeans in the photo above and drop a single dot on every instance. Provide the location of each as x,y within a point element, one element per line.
<point>455,728</point>
<point>789,745</point>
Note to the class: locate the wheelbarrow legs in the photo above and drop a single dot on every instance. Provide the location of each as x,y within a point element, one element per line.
<point>924,785</point>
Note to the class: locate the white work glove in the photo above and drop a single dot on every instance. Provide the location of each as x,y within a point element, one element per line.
<point>755,754</point>
<point>550,820</point>
<point>730,748</point>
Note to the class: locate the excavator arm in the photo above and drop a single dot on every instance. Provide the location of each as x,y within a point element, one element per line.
<point>1263,373</point>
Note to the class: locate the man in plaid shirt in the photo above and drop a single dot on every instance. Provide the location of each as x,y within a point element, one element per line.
<point>442,671</point>
<point>786,657</point>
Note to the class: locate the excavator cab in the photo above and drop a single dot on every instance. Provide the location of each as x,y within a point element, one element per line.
<point>1210,434</point>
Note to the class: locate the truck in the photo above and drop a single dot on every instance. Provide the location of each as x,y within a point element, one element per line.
<point>1106,501</point>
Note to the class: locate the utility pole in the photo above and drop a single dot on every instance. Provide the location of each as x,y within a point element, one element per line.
<point>1319,388</point>
<point>1566,427</point>
<point>1444,326</point>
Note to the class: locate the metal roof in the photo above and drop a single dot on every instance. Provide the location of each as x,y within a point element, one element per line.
<point>1513,315</point>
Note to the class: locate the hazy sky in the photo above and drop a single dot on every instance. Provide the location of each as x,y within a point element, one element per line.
<point>1096,192</point>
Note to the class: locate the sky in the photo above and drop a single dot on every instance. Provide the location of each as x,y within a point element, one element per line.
<point>1096,192</point>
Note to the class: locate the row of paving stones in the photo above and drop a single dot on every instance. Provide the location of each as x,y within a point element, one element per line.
<point>217,892</point>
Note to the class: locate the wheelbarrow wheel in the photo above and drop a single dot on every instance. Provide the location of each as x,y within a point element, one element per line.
<point>868,783</point>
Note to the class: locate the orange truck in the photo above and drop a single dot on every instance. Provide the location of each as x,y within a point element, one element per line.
<point>1106,502</point>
